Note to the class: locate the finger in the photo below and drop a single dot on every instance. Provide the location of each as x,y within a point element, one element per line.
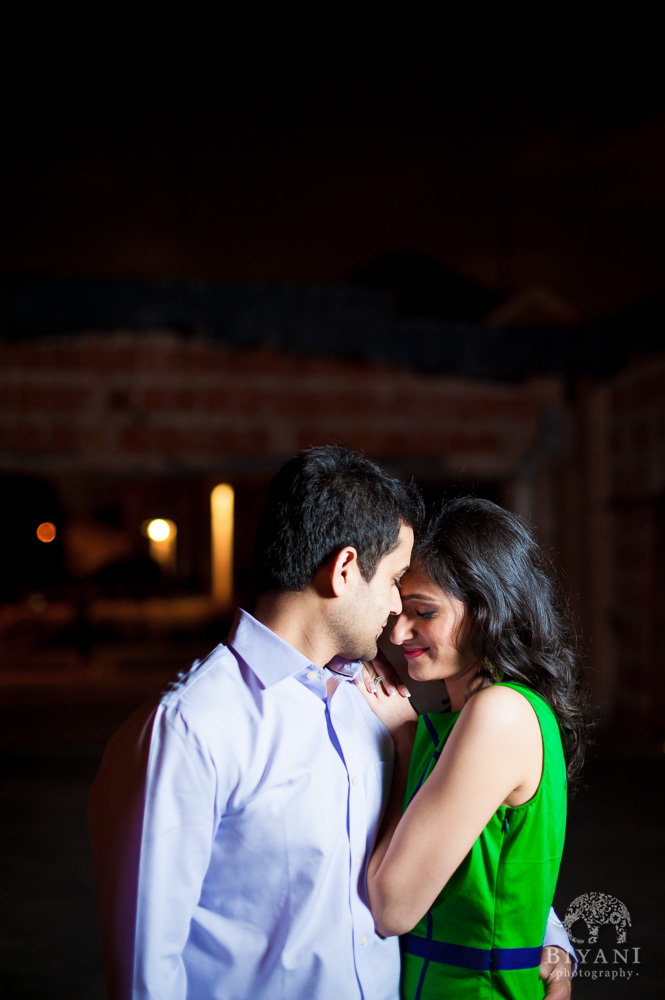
<point>388,687</point>
<point>390,679</point>
<point>385,676</point>
<point>366,688</point>
<point>559,989</point>
<point>393,689</point>
<point>371,679</point>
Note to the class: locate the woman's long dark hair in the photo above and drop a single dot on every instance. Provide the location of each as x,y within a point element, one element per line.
<point>519,625</point>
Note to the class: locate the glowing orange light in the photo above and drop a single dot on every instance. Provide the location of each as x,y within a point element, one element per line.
<point>162,534</point>
<point>46,531</point>
<point>159,530</point>
<point>221,530</point>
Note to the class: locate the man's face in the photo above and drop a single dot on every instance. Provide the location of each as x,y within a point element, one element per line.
<point>374,601</point>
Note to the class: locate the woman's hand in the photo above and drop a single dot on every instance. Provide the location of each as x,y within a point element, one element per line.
<point>394,711</point>
<point>382,671</point>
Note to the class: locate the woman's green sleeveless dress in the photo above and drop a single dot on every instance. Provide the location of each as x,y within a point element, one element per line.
<point>483,935</point>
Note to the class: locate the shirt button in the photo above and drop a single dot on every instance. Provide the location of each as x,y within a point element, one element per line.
<point>357,861</point>
<point>311,675</point>
<point>354,780</point>
<point>363,940</point>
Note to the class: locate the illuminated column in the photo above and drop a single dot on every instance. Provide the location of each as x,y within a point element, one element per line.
<point>162,534</point>
<point>221,534</point>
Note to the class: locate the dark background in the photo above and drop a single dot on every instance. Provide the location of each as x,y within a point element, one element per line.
<point>218,159</point>
<point>231,159</point>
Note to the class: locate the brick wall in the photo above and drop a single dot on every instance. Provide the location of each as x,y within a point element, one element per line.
<point>159,401</point>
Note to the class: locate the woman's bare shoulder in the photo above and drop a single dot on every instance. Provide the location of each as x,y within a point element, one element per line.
<point>499,707</point>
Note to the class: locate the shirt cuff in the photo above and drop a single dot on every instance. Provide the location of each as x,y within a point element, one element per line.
<point>556,936</point>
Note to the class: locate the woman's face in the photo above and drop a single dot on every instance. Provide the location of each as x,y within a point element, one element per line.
<point>431,629</point>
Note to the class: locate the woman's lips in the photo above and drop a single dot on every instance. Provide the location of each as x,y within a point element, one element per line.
<point>412,654</point>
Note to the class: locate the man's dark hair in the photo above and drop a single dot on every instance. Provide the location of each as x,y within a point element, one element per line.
<point>323,499</point>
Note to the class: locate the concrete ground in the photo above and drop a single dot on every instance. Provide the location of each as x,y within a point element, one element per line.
<point>54,721</point>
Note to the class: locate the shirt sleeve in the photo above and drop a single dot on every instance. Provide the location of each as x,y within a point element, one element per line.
<point>556,936</point>
<point>152,825</point>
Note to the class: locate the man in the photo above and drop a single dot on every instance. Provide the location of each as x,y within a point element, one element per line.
<point>231,822</point>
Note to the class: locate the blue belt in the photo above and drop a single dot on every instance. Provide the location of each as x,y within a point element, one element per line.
<point>479,959</point>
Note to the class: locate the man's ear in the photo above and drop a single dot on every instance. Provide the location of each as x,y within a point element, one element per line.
<point>343,570</point>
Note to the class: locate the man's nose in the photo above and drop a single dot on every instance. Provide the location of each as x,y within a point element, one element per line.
<point>399,630</point>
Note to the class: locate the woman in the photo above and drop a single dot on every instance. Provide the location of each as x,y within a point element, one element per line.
<point>468,873</point>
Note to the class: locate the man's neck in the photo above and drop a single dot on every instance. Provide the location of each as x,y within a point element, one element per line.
<point>295,616</point>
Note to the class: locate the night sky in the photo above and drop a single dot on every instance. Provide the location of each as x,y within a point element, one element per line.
<point>243,168</point>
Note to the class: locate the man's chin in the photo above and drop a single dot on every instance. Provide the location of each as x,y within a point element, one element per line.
<point>363,653</point>
<point>371,653</point>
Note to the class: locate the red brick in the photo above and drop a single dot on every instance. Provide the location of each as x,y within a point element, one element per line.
<point>121,357</point>
<point>93,437</point>
<point>64,437</point>
<point>9,398</point>
<point>30,437</point>
<point>251,441</point>
<point>133,438</point>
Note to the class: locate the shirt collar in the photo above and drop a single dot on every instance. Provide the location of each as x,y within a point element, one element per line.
<point>273,659</point>
<point>349,669</point>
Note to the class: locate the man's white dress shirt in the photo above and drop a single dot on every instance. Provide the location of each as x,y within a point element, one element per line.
<point>231,826</point>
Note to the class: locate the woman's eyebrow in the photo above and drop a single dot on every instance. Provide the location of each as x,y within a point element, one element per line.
<point>419,597</point>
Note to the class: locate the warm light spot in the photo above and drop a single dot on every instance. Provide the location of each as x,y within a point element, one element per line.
<point>162,535</point>
<point>158,530</point>
<point>46,531</point>
<point>221,533</point>
<point>37,603</point>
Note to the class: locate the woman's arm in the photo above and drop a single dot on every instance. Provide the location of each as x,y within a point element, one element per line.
<point>493,756</point>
